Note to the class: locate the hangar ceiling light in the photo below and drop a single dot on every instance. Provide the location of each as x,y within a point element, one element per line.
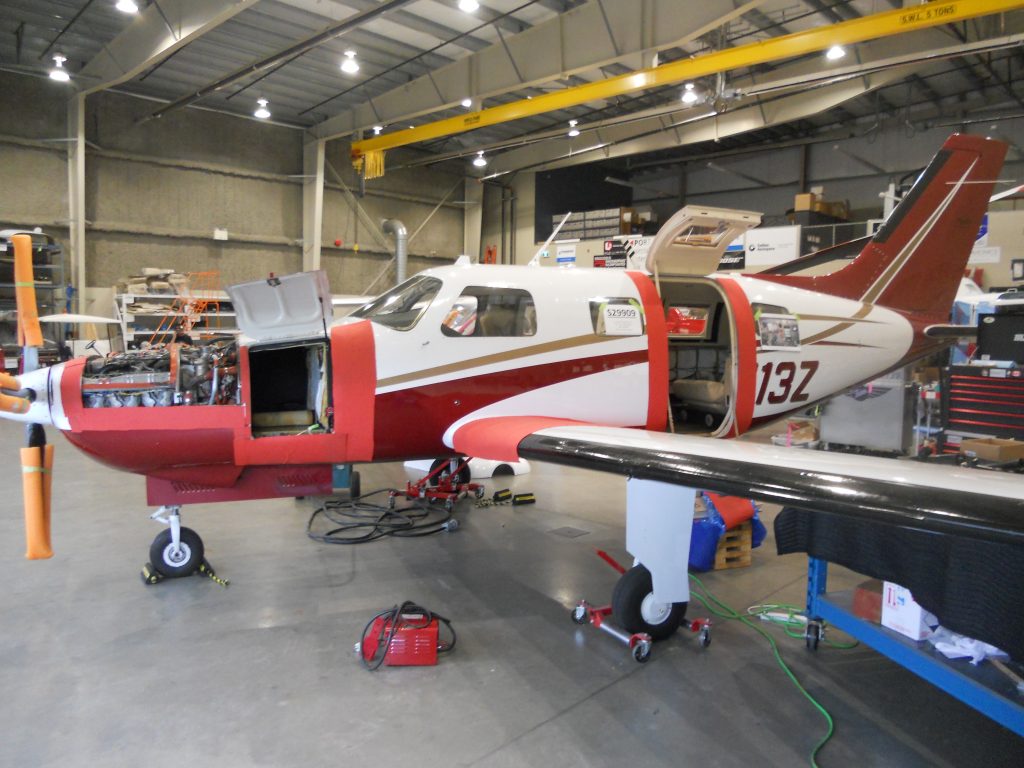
<point>468,6</point>
<point>573,130</point>
<point>480,161</point>
<point>261,111</point>
<point>127,6</point>
<point>58,72</point>
<point>835,53</point>
<point>350,66</point>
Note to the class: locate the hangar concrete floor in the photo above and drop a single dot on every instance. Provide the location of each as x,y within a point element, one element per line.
<point>97,669</point>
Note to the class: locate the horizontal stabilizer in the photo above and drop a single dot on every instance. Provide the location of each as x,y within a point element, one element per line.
<point>951,332</point>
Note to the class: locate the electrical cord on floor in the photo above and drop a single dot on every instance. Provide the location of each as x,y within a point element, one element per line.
<point>357,521</point>
<point>393,619</point>
<point>792,620</point>
<point>717,608</point>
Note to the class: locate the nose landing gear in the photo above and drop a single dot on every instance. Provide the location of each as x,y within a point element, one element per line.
<point>176,551</point>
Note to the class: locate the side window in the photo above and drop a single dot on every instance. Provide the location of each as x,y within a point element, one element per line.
<point>777,328</point>
<point>617,317</point>
<point>482,311</point>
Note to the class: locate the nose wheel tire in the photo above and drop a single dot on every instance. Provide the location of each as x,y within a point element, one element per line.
<point>185,561</point>
<point>636,610</point>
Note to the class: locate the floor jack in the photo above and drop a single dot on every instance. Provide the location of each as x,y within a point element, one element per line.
<point>441,485</point>
<point>640,643</point>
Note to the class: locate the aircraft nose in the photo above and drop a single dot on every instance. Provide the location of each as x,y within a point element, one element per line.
<point>40,388</point>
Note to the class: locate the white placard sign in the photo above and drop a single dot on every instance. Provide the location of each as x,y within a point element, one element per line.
<point>771,245</point>
<point>622,320</point>
<point>985,255</point>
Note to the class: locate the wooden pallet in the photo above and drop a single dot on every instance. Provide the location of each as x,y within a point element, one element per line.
<point>734,548</point>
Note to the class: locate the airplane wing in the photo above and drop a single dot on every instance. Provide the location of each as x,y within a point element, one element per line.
<point>954,536</point>
<point>965,502</point>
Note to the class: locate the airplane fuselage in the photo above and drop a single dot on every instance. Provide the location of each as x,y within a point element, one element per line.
<point>578,344</point>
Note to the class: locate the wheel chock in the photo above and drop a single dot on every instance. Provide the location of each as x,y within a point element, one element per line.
<point>151,576</point>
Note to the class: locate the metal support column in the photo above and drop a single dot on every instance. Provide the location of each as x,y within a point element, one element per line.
<point>472,228</point>
<point>76,196</point>
<point>312,203</point>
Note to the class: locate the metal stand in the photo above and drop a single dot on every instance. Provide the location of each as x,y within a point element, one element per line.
<point>982,687</point>
<point>440,486</point>
<point>639,643</point>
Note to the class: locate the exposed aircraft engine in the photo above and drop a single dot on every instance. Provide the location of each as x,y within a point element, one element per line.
<point>165,376</point>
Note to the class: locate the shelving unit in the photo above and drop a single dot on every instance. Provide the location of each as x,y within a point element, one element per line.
<point>51,290</point>
<point>981,687</point>
<point>138,325</point>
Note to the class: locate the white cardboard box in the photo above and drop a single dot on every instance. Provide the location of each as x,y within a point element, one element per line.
<point>902,614</point>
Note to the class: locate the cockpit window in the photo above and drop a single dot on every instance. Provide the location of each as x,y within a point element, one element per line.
<point>485,311</point>
<point>402,306</point>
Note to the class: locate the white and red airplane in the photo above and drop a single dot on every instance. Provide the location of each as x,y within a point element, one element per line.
<point>575,366</point>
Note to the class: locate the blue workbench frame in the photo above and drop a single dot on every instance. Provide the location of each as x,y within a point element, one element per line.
<point>957,678</point>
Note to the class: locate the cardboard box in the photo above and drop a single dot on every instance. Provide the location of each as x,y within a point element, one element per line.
<point>867,601</point>
<point>901,614</point>
<point>993,449</point>
<point>805,202</point>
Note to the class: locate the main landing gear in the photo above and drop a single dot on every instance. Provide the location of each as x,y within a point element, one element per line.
<point>640,620</point>
<point>636,610</point>
<point>176,551</point>
<point>448,481</point>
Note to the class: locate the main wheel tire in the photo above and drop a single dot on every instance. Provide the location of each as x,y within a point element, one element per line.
<point>461,478</point>
<point>188,559</point>
<point>635,610</point>
<point>355,486</point>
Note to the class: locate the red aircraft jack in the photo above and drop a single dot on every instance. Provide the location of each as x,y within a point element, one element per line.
<point>447,482</point>
<point>640,643</point>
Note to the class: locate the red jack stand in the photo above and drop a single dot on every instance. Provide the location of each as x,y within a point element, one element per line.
<point>441,486</point>
<point>639,643</point>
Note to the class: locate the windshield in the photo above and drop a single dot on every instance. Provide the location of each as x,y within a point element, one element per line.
<point>402,306</point>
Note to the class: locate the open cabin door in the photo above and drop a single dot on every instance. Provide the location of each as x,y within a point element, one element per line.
<point>285,321</point>
<point>693,240</point>
<point>703,363</point>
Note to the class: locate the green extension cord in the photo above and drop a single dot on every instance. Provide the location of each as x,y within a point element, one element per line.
<point>793,623</point>
<point>717,608</point>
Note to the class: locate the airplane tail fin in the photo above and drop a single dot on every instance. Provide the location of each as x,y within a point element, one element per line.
<point>916,259</point>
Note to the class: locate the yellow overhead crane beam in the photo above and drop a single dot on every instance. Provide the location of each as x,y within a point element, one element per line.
<point>368,154</point>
